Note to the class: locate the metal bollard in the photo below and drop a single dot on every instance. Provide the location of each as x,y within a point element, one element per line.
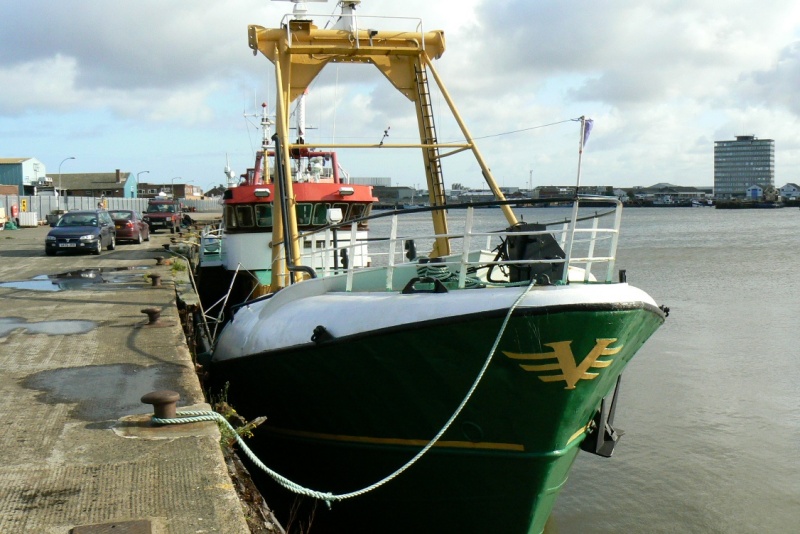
<point>164,403</point>
<point>156,280</point>
<point>153,314</point>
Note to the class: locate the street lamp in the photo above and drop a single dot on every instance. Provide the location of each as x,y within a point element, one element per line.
<point>137,182</point>
<point>61,191</point>
<point>173,185</point>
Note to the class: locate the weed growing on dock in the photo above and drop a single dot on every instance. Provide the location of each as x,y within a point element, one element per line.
<point>244,428</point>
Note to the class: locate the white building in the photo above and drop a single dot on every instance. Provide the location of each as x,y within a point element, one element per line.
<point>754,192</point>
<point>790,191</point>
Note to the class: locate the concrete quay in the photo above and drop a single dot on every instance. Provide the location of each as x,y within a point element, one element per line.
<point>77,450</point>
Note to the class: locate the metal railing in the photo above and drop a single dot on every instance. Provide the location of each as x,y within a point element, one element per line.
<point>589,245</point>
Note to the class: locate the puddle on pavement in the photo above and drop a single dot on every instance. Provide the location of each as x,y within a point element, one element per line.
<point>51,328</point>
<point>96,278</point>
<point>115,391</point>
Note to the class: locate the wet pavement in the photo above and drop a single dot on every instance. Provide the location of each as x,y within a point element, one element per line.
<point>83,278</point>
<point>76,354</point>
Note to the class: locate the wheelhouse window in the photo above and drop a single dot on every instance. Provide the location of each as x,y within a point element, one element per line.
<point>230,217</point>
<point>304,212</point>
<point>359,210</point>
<point>320,214</point>
<point>263,215</point>
<point>244,214</point>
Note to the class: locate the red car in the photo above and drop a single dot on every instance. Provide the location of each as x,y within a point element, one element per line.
<point>130,226</point>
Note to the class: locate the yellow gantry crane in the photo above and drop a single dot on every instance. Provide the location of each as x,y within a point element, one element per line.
<point>300,50</point>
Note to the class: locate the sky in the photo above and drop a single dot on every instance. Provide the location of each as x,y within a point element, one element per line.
<point>170,88</point>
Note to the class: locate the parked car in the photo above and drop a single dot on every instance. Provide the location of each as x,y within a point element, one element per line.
<point>163,214</point>
<point>81,231</point>
<point>130,226</point>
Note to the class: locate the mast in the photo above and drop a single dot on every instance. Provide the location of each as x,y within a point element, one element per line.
<point>586,128</point>
<point>230,176</point>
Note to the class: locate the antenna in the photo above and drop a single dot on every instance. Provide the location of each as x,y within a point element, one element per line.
<point>385,135</point>
<point>229,174</point>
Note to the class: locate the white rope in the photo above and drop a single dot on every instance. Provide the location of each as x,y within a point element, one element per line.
<point>197,416</point>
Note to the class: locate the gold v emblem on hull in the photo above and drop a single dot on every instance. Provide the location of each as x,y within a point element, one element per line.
<point>571,372</point>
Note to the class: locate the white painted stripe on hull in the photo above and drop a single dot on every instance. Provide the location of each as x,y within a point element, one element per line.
<point>285,321</point>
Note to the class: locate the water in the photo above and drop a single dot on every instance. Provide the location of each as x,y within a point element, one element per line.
<point>116,389</point>
<point>711,405</point>
<point>82,279</point>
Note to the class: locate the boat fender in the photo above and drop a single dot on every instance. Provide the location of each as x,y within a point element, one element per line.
<point>321,335</point>
<point>438,286</point>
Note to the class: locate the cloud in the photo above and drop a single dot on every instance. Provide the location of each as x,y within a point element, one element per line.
<point>50,81</point>
<point>776,85</point>
<point>630,52</point>
<point>662,80</point>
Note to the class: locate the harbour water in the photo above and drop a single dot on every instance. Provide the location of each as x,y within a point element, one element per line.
<point>710,405</point>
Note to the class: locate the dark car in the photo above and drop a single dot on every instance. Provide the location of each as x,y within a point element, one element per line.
<point>81,231</point>
<point>130,226</point>
<point>163,214</point>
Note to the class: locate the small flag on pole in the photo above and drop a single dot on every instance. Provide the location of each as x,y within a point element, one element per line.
<point>587,129</point>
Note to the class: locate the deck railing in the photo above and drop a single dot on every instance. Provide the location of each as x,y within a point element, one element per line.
<point>589,244</point>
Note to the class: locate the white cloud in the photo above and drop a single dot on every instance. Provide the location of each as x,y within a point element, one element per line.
<point>662,80</point>
<point>49,82</point>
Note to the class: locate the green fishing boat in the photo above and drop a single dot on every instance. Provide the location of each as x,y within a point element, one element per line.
<point>444,392</point>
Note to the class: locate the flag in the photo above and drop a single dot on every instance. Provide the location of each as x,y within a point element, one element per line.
<point>587,129</point>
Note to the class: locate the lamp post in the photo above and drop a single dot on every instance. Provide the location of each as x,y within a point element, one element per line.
<point>61,191</point>
<point>173,185</point>
<point>137,182</point>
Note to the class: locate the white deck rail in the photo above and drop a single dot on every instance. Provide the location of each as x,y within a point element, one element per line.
<point>589,242</point>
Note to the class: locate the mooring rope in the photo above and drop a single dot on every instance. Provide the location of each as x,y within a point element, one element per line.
<point>197,416</point>
<point>443,274</point>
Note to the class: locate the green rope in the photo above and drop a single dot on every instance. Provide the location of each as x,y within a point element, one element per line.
<point>197,416</point>
<point>443,274</point>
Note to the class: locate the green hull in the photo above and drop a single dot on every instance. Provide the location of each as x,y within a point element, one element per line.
<point>344,414</point>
